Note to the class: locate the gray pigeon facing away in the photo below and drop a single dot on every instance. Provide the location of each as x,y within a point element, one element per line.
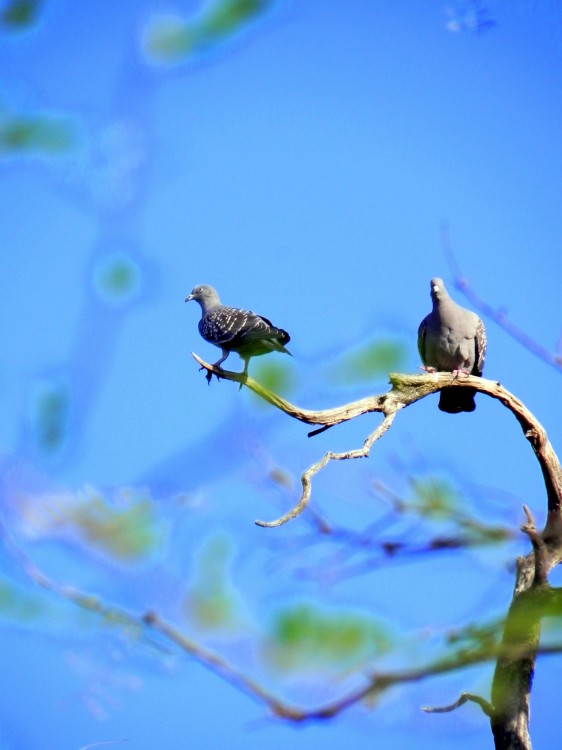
<point>452,339</point>
<point>235,330</point>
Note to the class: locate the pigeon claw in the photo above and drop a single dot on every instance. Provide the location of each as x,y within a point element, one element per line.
<point>243,382</point>
<point>460,373</point>
<point>209,374</point>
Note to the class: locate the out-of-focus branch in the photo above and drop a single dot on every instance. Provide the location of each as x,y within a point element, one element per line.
<point>373,686</point>
<point>498,315</point>
<point>533,600</point>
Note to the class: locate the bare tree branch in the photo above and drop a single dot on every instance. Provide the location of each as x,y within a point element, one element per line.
<point>516,656</point>
<point>541,562</point>
<point>374,685</point>
<point>306,478</point>
<point>406,390</point>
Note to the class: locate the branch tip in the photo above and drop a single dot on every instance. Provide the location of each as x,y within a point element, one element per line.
<point>485,705</point>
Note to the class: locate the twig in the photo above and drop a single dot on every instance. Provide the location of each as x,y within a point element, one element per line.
<point>306,478</point>
<point>541,563</point>
<point>485,705</point>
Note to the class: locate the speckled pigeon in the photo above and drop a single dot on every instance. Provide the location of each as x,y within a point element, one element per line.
<point>235,330</point>
<point>452,339</point>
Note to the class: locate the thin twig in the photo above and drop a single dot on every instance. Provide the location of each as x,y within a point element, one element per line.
<point>306,478</point>
<point>540,551</point>
<point>485,705</point>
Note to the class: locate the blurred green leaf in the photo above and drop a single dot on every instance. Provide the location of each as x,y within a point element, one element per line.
<point>228,16</point>
<point>281,477</point>
<point>16,605</point>
<point>19,14</point>
<point>434,497</point>
<point>477,636</point>
<point>370,361</point>
<point>274,375</point>
<point>129,533</point>
<point>305,636</point>
<point>50,410</point>
<point>211,602</point>
<point>170,39</point>
<point>21,134</point>
<point>484,533</point>
<point>117,278</point>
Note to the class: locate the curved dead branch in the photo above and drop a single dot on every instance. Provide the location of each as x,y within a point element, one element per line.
<point>406,390</point>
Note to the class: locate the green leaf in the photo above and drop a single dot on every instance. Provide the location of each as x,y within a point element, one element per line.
<point>211,602</point>
<point>19,14</point>
<point>434,497</point>
<point>169,39</point>
<point>370,361</point>
<point>117,278</point>
<point>50,413</point>
<point>42,134</point>
<point>17,605</point>
<point>274,375</point>
<point>228,16</point>
<point>128,533</point>
<point>305,636</point>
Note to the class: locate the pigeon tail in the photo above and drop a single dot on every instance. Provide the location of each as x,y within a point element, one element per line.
<point>455,400</point>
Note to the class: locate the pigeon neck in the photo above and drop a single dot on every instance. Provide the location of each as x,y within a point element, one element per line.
<point>207,305</point>
<point>441,302</point>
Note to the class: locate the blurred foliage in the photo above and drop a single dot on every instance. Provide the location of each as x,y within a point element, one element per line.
<point>370,361</point>
<point>17,605</point>
<point>126,529</point>
<point>477,637</point>
<point>211,602</point>
<point>19,14</point>
<point>117,279</point>
<point>304,636</point>
<point>50,414</point>
<point>226,17</point>
<point>274,375</point>
<point>434,497</point>
<point>130,533</point>
<point>281,477</point>
<point>171,39</point>
<point>35,134</point>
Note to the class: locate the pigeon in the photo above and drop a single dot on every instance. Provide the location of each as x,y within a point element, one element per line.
<point>235,330</point>
<point>452,339</point>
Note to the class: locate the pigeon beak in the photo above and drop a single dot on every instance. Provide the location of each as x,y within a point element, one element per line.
<point>188,299</point>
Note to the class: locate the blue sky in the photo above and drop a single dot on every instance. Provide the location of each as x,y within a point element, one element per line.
<point>303,166</point>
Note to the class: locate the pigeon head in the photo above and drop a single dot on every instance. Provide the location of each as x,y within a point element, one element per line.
<point>438,291</point>
<point>205,295</point>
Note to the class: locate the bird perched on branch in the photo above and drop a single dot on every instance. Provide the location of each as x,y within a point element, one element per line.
<point>235,330</point>
<point>452,339</point>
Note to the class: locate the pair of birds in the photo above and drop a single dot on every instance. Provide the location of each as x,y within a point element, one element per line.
<point>450,339</point>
